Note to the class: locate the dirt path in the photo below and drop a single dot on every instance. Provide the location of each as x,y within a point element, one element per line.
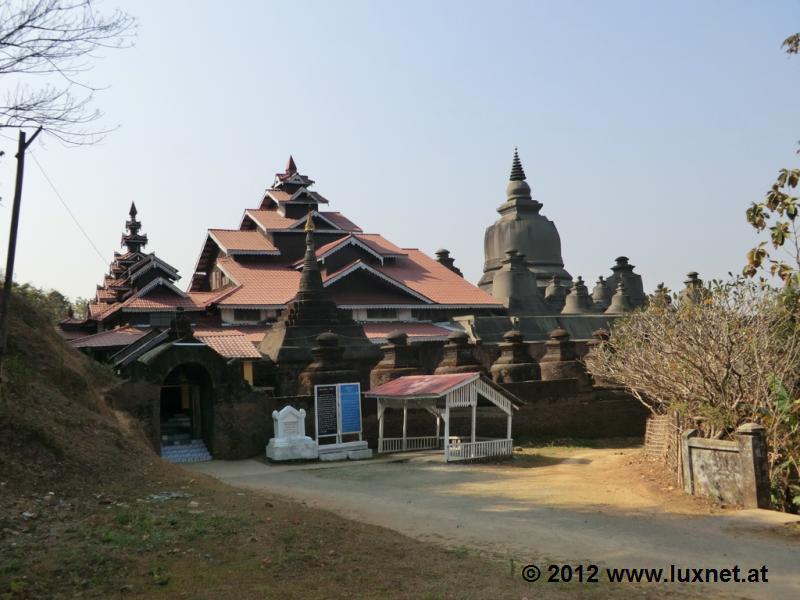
<point>585,505</point>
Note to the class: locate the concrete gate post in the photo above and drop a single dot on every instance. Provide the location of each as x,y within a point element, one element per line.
<point>752,440</point>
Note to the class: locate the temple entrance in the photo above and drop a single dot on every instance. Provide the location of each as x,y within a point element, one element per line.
<point>186,414</point>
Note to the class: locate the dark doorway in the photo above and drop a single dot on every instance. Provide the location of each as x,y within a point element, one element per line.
<point>186,406</point>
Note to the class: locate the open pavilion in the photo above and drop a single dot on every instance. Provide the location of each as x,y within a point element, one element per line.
<point>438,395</point>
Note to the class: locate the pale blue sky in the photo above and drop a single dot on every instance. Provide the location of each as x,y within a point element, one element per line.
<point>645,128</point>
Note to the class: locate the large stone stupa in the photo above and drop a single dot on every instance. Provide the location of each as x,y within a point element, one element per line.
<point>521,228</point>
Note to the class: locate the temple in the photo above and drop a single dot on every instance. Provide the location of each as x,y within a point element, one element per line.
<point>299,296</point>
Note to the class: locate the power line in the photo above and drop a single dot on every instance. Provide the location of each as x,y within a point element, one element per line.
<point>64,203</point>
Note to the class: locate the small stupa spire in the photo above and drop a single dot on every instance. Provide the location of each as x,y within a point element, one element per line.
<point>310,278</point>
<point>517,172</point>
<point>132,239</point>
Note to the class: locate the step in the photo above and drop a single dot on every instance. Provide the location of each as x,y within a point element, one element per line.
<point>189,452</point>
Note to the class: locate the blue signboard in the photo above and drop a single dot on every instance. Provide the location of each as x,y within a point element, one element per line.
<point>350,407</point>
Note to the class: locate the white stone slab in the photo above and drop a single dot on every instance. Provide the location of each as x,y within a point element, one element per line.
<point>297,449</point>
<point>343,447</point>
<point>331,456</point>
<point>359,454</point>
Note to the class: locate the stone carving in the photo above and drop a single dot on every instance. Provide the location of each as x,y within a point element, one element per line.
<point>515,364</point>
<point>623,271</point>
<point>555,295</point>
<point>560,360</point>
<point>620,302</point>
<point>290,441</point>
<point>399,359</point>
<point>515,285</point>
<point>601,295</point>
<point>578,301</point>
<point>458,356</point>
<point>328,365</point>
<point>559,348</point>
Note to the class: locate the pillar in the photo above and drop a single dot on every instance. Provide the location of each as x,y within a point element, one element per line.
<point>405,424</point>
<point>447,433</point>
<point>381,411</point>
<point>752,440</point>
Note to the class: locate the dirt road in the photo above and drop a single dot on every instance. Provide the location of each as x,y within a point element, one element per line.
<point>549,505</point>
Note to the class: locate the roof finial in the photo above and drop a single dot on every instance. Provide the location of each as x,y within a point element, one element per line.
<point>133,210</point>
<point>517,173</point>
<point>291,168</point>
<point>309,221</point>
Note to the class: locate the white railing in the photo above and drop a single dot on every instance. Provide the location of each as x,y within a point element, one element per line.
<point>412,443</point>
<point>466,395</point>
<point>485,390</point>
<point>478,450</point>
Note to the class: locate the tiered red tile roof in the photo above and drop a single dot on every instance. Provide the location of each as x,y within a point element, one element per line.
<point>120,337</point>
<point>256,267</point>
<point>235,240</point>
<point>131,278</point>
<point>230,345</point>
<point>271,220</point>
<point>375,242</point>
<point>259,284</point>
<point>413,277</point>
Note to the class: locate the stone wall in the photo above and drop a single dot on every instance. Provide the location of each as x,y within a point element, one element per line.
<point>730,471</point>
<point>557,408</point>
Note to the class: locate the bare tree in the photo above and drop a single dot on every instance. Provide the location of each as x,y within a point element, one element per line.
<point>45,48</point>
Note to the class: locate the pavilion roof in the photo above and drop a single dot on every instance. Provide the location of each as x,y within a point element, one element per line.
<point>422,386</point>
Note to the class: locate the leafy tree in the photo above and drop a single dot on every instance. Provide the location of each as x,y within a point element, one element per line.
<point>55,305</point>
<point>777,213</point>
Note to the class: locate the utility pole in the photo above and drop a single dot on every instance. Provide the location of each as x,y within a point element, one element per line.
<point>12,243</point>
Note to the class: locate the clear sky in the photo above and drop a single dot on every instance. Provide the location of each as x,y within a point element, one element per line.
<point>645,128</point>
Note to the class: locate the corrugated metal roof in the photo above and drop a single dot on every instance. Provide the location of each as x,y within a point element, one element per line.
<point>422,386</point>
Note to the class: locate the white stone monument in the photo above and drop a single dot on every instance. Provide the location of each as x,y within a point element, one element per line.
<point>290,441</point>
